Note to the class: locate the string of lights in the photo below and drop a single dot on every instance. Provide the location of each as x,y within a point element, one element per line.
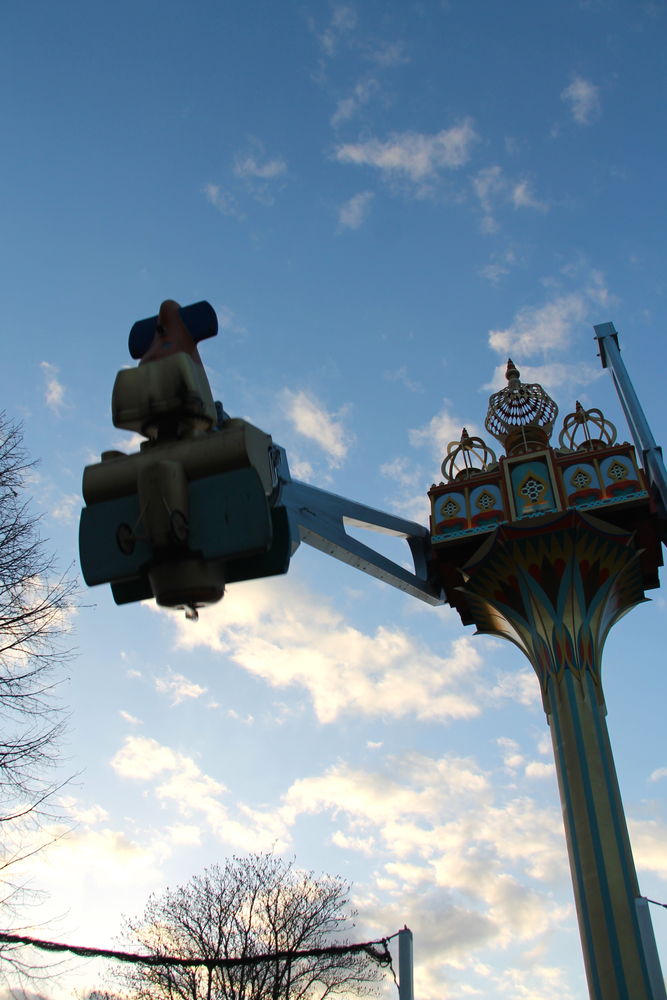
<point>377,950</point>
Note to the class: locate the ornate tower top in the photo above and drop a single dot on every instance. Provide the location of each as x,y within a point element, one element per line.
<point>586,430</point>
<point>521,416</point>
<point>467,457</point>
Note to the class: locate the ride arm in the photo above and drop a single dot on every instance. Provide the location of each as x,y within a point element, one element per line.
<point>318,518</point>
<point>650,452</point>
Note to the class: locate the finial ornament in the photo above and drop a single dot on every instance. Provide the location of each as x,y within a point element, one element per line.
<point>521,416</point>
<point>466,457</point>
<point>590,427</point>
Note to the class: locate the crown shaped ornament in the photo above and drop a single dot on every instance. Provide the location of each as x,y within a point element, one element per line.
<point>521,416</point>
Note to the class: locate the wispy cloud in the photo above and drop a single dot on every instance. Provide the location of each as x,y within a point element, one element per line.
<point>409,476</point>
<point>414,155</point>
<point>132,720</point>
<point>401,375</point>
<point>540,333</point>
<point>178,687</point>
<point>388,54</point>
<point>342,23</point>
<point>487,184</point>
<point>253,163</point>
<point>493,189</point>
<point>353,213</point>
<point>436,434</point>
<point>311,419</point>
<point>523,197</point>
<point>542,329</point>
<point>254,174</point>
<point>54,394</point>
<point>258,173</point>
<point>224,201</point>
<point>583,100</point>
<point>349,106</point>
<point>66,508</point>
<point>499,266</point>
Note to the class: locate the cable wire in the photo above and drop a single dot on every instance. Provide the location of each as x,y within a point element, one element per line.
<point>655,901</point>
<point>372,949</point>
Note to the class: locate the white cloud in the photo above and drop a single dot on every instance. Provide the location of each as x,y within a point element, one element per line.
<point>178,687</point>
<point>400,471</point>
<point>131,719</point>
<point>511,756</point>
<point>539,770</point>
<point>658,774</point>
<point>302,469</point>
<point>230,322</point>
<point>343,21</point>
<point>401,375</point>
<point>128,444</point>
<point>143,759</point>
<point>541,329</point>
<point>492,187</point>
<point>409,476</point>
<point>364,845</point>
<point>499,267</point>
<point>583,99</point>
<point>224,201</point>
<point>310,418</point>
<point>389,54</point>
<point>95,873</point>
<point>442,822</point>
<point>178,783</point>
<point>415,155</point>
<point>648,845</point>
<point>254,164</point>
<point>349,106</point>
<point>85,815</point>
<point>302,641</point>
<point>552,376</point>
<point>66,508</point>
<point>522,197</point>
<point>353,212</point>
<point>442,428</point>
<point>257,175</point>
<point>538,982</point>
<point>488,184</point>
<point>54,395</point>
<point>401,801</point>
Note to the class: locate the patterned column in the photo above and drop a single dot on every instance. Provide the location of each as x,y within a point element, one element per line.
<point>555,588</point>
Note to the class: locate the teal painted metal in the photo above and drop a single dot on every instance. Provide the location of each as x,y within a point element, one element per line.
<point>229,520</point>
<point>101,557</point>
<point>600,873</point>
<point>555,587</point>
<point>574,852</point>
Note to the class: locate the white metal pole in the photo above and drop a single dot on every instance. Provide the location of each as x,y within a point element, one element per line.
<point>405,965</point>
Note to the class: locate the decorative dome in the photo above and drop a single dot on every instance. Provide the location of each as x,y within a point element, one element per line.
<point>467,457</point>
<point>521,416</point>
<point>596,430</point>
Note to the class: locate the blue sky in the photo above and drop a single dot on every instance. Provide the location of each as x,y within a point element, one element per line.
<point>382,201</point>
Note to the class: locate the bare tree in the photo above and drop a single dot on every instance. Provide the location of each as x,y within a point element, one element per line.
<point>34,616</point>
<point>252,906</point>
